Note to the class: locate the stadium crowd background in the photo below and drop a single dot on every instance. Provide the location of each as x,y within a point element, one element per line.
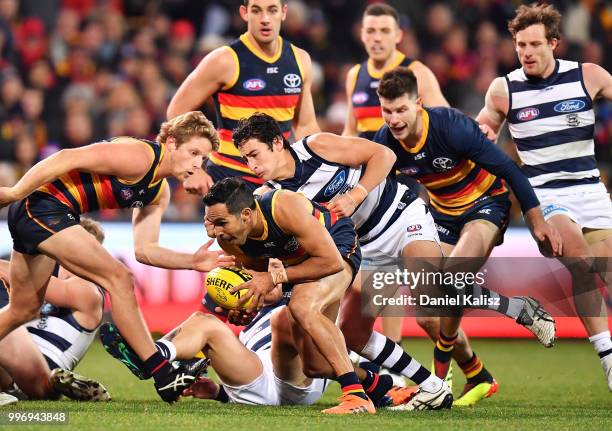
<point>74,72</point>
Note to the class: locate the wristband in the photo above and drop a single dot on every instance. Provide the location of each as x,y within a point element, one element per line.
<point>279,276</point>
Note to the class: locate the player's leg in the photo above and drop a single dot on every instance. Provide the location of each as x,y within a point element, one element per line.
<point>80,253</point>
<point>22,359</point>
<point>234,364</point>
<point>29,275</point>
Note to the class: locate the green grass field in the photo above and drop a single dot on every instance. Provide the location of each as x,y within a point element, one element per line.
<point>561,389</point>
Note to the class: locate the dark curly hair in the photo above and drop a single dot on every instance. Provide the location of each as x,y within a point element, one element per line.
<point>259,126</point>
<point>397,82</point>
<point>233,193</point>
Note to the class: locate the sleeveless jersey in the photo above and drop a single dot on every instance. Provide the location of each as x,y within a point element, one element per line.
<point>552,123</point>
<point>59,336</point>
<point>445,160</point>
<point>366,106</point>
<point>272,85</point>
<point>85,192</point>
<point>276,243</point>
<point>321,180</point>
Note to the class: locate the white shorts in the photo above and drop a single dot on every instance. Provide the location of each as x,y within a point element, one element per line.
<point>414,224</point>
<point>269,390</point>
<point>588,205</point>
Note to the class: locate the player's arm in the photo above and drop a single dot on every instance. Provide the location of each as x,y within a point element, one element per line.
<point>305,119</point>
<point>492,115</point>
<point>293,214</point>
<point>212,73</point>
<point>350,126</point>
<point>597,81</point>
<point>146,223</point>
<point>127,158</point>
<point>429,87</point>
<point>467,138</point>
<point>354,152</point>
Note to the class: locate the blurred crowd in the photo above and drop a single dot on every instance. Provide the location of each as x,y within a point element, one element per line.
<point>76,71</point>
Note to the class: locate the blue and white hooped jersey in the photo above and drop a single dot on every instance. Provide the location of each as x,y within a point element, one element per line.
<point>257,335</point>
<point>59,337</point>
<point>552,123</point>
<point>320,180</point>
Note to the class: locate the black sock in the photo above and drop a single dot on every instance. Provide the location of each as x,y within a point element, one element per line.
<point>222,395</point>
<point>482,376</point>
<point>370,366</point>
<point>350,385</point>
<point>376,386</point>
<point>157,366</point>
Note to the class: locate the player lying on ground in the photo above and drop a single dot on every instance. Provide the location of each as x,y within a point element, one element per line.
<point>261,366</point>
<point>124,173</point>
<point>37,358</point>
<point>465,176</point>
<point>548,104</point>
<point>326,167</point>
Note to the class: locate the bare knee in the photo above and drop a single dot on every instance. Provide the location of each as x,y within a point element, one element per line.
<point>119,279</point>
<point>303,313</point>
<point>313,370</point>
<point>356,332</point>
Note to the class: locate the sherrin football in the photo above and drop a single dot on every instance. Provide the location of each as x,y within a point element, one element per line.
<point>220,280</point>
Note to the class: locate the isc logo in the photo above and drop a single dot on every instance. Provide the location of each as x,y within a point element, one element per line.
<point>254,84</point>
<point>527,114</point>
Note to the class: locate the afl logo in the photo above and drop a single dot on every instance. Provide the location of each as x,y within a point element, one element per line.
<point>414,228</point>
<point>569,106</point>
<point>527,114</point>
<point>254,84</point>
<point>443,163</point>
<point>292,80</point>
<point>335,184</point>
<point>413,170</point>
<point>126,194</point>
<point>360,97</point>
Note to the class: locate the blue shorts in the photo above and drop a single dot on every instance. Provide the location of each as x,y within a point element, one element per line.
<point>36,218</point>
<point>494,209</point>
<point>347,242</point>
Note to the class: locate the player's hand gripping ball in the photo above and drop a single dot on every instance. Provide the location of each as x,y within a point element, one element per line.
<point>220,280</point>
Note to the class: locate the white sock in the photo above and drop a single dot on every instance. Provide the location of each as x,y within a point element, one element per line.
<point>431,383</point>
<point>167,349</point>
<point>601,342</point>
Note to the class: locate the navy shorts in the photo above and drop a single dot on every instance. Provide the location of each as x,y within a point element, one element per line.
<point>346,240</point>
<point>494,209</point>
<point>36,218</point>
<point>217,173</point>
<point>4,295</point>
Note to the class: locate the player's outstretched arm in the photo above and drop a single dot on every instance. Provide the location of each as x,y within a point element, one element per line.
<point>215,71</point>
<point>429,87</point>
<point>305,119</point>
<point>492,115</point>
<point>147,223</point>
<point>350,125</point>
<point>354,152</point>
<point>126,158</point>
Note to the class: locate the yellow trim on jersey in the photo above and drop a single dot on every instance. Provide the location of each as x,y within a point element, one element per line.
<point>274,196</point>
<point>132,182</point>
<point>236,75</point>
<point>264,235</point>
<point>69,184</point>
<point>378,74</point>
<point>370,124</point>
<point>228,148</point>
<point>356,69</point>
<point>161,157</point>
<point>158,194</point>
<point>423,138</point>
<point>236,113</point>
<point>297,60</point>
<point>234,167</point>
<point>95,179</point>
<point>247,42</point>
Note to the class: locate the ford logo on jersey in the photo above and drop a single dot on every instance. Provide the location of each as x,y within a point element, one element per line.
<point>527,114</point>
<point>335,184</point>
<point>569,106</point>
<point>254,84</point>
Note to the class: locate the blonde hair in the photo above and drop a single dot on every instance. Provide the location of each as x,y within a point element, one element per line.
<point>186,126</point>
<point>94,228</point>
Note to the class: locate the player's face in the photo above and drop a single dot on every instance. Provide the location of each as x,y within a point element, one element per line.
<point>260,159</point>
<point>264,18</point>
<point>380,35</point>
<point>401,115</point>
<point>231,228</point>
<point>534,51</point>
<point>189,156</point>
